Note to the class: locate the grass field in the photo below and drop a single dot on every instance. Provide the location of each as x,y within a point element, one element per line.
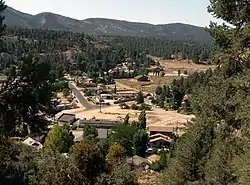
<point>171,66</point>
<point>156,81</point>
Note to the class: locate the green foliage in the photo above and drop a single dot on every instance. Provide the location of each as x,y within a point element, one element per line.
<point>124,134</point>
<point>140,141</point>
<point>142,120</point>
<point>57,169</point>
<point>18,163</point>
<point>59,86</point>
<point>158,90</point>
<point>140,98</point>
<point>59,139</point>
<point>89,159</point>
<point>210,150</point>
<point>241,167</point>
<point>126,119</point>
<point>115,154</point>
<point>66,92</point>
<point>26,95</point>
<point>89,132</point>
<point>120,175</point>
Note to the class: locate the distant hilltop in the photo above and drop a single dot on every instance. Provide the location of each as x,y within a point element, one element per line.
<point>93,26</point>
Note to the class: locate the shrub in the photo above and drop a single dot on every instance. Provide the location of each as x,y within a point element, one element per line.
<point>134,107</point>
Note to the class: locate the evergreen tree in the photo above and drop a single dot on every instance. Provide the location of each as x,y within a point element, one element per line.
<point>126,119</point>
<point>89,132</point>
<point>140,98</point>
<point>142,120</point>
<point>206,153</point>
<point>140,142</point>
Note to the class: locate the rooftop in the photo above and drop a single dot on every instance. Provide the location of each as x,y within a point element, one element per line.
<point>31,142</point>
<point>102,134</point>
<point>153,158</point>
<point>153,128</point>
<point>66,117</point>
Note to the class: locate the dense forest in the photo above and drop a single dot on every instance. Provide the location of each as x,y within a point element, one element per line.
<point>76,53</point>
<point>165,48</point>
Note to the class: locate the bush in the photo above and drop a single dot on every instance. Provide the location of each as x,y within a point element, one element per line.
<point>179,72</point>
<point>140,98</point>
<point>66,92</point>
<point>134,107</point>
<point>155,166</point>
<point>124,106</point>
<point>145,107</point>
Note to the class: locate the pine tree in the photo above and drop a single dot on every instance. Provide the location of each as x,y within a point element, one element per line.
<point>140,98</point>
<point>142,120</point>
<point>205,153</point>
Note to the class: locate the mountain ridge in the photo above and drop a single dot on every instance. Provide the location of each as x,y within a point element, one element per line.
<point>105,26</point>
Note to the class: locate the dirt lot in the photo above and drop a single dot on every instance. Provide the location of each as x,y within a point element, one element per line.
<point>173,66</point>
<point>157,117</point>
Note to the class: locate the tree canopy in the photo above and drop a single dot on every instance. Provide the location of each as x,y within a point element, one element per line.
<point>210,150</point>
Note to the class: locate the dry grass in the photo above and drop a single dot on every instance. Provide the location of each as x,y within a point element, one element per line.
<point>171,66</point>
<point>155,81</point>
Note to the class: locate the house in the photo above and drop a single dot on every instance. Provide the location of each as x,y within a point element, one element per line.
<point>142,78</point>
<point>33,143</point>
<point>102,135</point>
<point>66,119</point>
<point>153,158</point>
<point>159,141</point>
<point>138,161</point>
<point>164,130</point>
<point>98,123</point>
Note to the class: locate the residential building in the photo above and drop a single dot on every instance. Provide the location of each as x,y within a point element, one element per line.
<point>98,123</point>
<point>66,119</point>
<point>164,130</point>
<point>102,135</point>
<point>153,158</point>
<point>33,143</point>
<point>159,141</point>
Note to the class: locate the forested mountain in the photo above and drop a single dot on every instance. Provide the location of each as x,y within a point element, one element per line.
<point>175,31</point>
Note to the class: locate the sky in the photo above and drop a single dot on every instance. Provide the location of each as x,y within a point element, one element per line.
<point>150,11</point>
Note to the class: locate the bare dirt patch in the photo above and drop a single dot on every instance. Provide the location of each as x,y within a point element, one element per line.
<point>173,66</point>
<point>156,117</point>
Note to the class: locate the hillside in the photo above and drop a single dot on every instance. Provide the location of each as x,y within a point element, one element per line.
<point>175,31</point>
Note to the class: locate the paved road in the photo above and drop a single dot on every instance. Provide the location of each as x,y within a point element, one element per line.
<point>81,98</point>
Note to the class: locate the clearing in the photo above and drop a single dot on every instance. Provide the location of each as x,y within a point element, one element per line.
<point>156,117</point>
<point>172,67</point>
<point>148,87</point>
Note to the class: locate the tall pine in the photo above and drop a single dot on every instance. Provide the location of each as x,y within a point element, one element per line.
<point>210,150</point>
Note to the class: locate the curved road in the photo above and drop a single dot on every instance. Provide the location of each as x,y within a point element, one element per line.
<point>81,98</point>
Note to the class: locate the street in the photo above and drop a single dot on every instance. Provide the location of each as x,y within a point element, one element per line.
<point>81,98</point>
